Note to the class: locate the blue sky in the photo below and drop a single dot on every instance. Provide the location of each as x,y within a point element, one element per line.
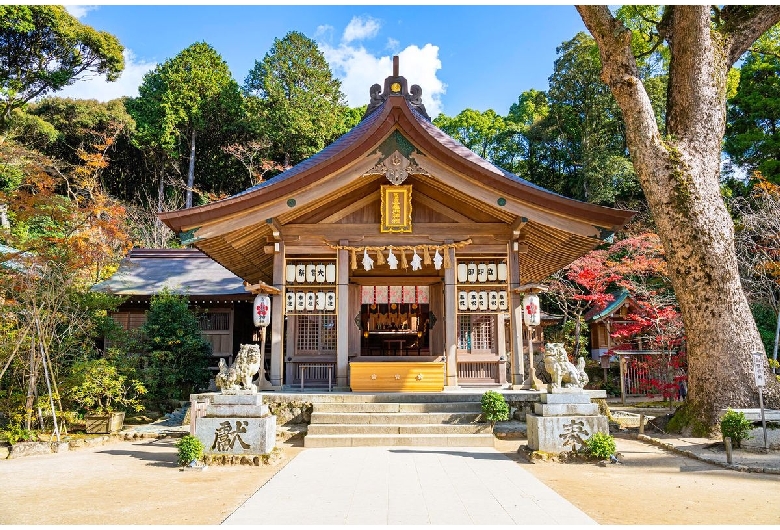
<point>477,57</point>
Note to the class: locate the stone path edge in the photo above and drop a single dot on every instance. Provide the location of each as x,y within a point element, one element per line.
<point>733,467</point>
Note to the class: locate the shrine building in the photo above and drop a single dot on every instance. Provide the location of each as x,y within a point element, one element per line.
<point>396,258</point>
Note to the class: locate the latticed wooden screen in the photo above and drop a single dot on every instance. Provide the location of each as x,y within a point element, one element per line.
<point>477,333</point>
<point>316,334</point>
<point>215,321</point>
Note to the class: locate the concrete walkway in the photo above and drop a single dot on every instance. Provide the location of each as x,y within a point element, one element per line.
<point>405,485</point>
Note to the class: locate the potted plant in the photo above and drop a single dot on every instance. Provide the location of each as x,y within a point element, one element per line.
<point>103,394</point>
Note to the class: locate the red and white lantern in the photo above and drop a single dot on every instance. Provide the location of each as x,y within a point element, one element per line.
<point>532,313</point>
<point>261,314</point>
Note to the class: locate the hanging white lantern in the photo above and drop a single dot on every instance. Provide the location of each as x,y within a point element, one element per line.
<point>330,301</point>
<point>437,260</point>
<point>320,272</point>
<point>300,273</point>
<point>493,300</point>
<point>463,301</point>
<point>473,300</point>
<point>320,304</point>
<point>290,273</point>
<point>310,301</point>
<point>300,301</point>
<point>289,304</point>
<point>503,301</point>
<point>491,272</point>
<point>483,300</point>
<point>532,314</point>
<point>416,261</point>
<point>330,273</point>
<point>462,270</point>
<point>471,273</point>
<point>368,263</point>
<point>261,316</point>
<point>482,272</point>
<point>501,272</point>
<point>311,273</point>
<point>392,260</point>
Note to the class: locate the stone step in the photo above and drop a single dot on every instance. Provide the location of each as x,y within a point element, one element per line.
<point>457,406</point>
<point>384,440</point>
<point>397,418</point>
<point>360,429</point>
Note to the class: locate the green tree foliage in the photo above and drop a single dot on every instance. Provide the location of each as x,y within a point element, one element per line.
<point>176,354</point>
<point>494,407</point>
<point>188,97</point>
<point>753,131</point>
<point>43,49</point>
<point>294,101</point>
<point>479,131</point>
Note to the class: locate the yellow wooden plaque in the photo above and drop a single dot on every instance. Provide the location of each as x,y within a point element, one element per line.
<point>396,209</point>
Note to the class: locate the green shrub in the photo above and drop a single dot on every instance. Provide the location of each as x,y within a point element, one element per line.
<point>736,426</point>
<point>494,407</point>
<point>190,449</point>
<point>16,433</point>
<point>96,387</point>
<point>601,445</point>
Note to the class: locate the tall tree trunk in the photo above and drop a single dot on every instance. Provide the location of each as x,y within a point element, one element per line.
<point>191,171</point>
<point>680,177</point>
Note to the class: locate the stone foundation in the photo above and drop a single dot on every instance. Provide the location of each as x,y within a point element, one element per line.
<point>237,424</point>
<point>563,420</point>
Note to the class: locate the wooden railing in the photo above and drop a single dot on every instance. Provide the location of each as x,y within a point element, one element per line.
<point>478,371</point>
<point>314,373</point>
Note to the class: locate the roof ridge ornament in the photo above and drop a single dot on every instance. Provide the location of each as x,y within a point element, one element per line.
<point>396,168</point>
<point>396,85</point>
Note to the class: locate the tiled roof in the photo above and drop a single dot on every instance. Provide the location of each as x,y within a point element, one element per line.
<point>185,271</point>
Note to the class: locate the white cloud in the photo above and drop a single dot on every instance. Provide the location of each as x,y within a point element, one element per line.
<point>323,30</point>
<point>80,11</point>
<point>96,87</point>
<point>392,44</point>
<point>360,28</point>
<point>358,70</point>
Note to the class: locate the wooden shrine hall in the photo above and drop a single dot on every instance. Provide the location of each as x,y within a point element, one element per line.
<point>396,257</point>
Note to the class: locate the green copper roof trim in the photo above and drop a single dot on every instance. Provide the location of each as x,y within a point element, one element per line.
<point>620,297</point>
<point>187,237</point>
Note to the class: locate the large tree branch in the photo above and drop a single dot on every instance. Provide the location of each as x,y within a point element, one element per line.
<point>742,25</point>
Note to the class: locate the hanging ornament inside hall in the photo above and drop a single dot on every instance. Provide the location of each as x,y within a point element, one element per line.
<point>392,260</point>
<point>437,260</point>
<point>416,261</point>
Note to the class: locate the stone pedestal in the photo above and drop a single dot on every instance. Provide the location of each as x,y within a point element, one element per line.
<point>563,421</point>
<point>237,423</point>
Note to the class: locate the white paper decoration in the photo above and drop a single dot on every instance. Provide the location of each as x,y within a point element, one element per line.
<point>437,260</point>
<point>300,301</point>
<point>471,273</point>
<point>320,304</point>
<point>503,303</point>
<point>462,271</point>
<point>492,300</point>
<point>463,302</point>
<point>311,273</point>
<point>310,301</point>
<point>501,272</point>
<point>483,300</point>
<point>330,300</point>
<point>368,263</point>
<point>491,272</point>
<point>416,261</point>
<point>532,315</point>
<point>392,260</point>
<point>289,303</point>
<point>261,311</point>
<point>290,273</point>
<point>320,272</point>
<point>473,300</point>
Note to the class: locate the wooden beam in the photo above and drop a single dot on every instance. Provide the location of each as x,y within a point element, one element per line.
<point>441,208</point>
<point>448,230</point>
<point>262,287</point>
<point>518,225</point>
<point>276,228</point>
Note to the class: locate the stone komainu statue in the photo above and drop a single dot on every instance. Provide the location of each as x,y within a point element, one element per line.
<point>240,374</point>
<point>563,372</point>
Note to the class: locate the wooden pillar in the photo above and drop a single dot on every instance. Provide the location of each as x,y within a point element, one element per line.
<point>516,317</point>
<point>501,343</point>
<point>355,333</point>
<point>342,322</point>
<point>450,321</point>
<point>277,320</point>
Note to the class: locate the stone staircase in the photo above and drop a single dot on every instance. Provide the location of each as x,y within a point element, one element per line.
<point>405,423</point>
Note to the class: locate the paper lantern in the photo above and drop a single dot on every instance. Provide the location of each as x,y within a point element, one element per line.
<point>261,316</point>
<point>482,272</point>
<point>503,301</point>
<point>491,272</point>
<point>493,300</point>
<point>320,303</point>
<point>300,301</point>
<point>310,301</point>
<point>462,270</point>
<point>463,301</point>
<point>501,272</point>
<point>473,300</point>
<point>289,304</point>
<point>532,314</point>
<point>330,273</point>
<point>471,273</point>
<point>330,301</point>
<point>300,273</point>
<point>483,300</point>
<point>290,273</point>
<point>320,272</point>
<point>311,273</point>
